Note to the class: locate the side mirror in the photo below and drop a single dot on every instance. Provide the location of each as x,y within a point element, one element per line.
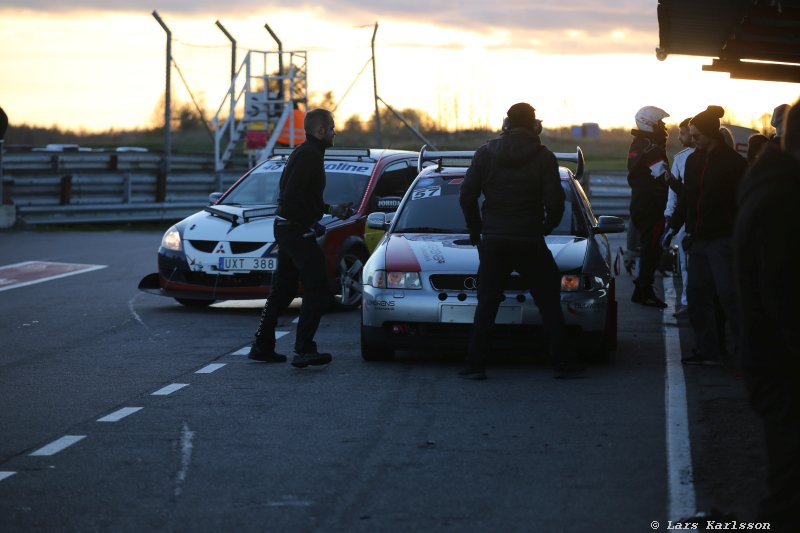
<point>213,197</point>
<point>609,224</point>
<point>377,220</point>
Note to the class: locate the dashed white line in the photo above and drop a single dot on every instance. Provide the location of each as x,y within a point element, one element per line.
<point>57,445</point>
<point>210,368</point>
<point>187,436</point>
<point>169,389</point>
<point>6,475</point>
<point>118,415</point>
<point>682,500</point>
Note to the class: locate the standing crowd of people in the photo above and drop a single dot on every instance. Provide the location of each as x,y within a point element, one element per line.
<point>732,218</point>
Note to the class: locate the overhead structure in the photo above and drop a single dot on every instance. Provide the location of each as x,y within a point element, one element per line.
<point>265,102</point>
<point>749,39</point>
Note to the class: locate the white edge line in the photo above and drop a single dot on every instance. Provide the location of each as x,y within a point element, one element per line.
<point>90,268</point>
<point>6,474</point>
<point>210,368</point>
<point>169,389</point>
<point>682,499</point>
<point>58,445</point>
<point>119,414</point>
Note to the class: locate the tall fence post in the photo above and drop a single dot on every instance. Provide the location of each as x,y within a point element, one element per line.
<point>378,142</point>
<point>167,102</point>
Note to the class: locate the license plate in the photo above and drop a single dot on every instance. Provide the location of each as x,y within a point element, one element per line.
<point>464,314</point>
<point>248,264</point>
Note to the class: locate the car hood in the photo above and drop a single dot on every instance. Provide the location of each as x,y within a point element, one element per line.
<point>448,253</point>
<point>206,226</point>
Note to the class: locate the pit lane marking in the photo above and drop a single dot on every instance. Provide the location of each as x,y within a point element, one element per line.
<point>682,500</point>
<point>119,414</point>
<point>32,272</point>
<point>58,445</point>
<point>6,474</point>
<point>210,368</point>
<point>169,389</point>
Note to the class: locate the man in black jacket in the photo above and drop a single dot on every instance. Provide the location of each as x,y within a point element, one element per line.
<point>523,202</point>
<point>300,258</point>
<point>647,171</point>
<point>707,204</point>
<point>765,251</point>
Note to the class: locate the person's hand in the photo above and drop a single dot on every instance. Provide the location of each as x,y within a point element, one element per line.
<point>666,238</point>
<point>342,211</point>
<point>319,229</point>
<point>475,238</point>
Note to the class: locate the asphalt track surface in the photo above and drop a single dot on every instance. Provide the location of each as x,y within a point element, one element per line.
<point>122,411</point>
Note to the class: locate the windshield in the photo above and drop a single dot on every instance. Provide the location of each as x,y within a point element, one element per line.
<point>345,182</point>
<point>440,212</point>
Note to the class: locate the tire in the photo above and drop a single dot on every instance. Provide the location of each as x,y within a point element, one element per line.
<point>190,302</point>
<point>348,274</point>
<point>371,352</point>
<point>598,346</point>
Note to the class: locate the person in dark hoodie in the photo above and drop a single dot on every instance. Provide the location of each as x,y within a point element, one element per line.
<point>647,176</point>
<point>707,205</point>
<point>767,294</point>
<point>523,202</point>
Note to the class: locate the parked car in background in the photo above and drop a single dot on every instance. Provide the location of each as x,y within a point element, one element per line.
<point>227,251</point>
<point>420,283</point>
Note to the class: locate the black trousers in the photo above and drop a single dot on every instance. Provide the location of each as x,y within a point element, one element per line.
<point>300,259</point>
<point>649,253</point>
<point>533,261</point>
<point>710,265</point>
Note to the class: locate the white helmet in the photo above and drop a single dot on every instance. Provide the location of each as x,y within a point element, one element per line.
<point>648,117</point>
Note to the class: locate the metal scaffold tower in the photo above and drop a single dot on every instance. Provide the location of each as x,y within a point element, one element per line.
<point>264,106</point>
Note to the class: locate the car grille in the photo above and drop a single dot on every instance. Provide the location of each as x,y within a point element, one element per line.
<point>463,282</point>
<point>237,247</point>
<point>203,246</point>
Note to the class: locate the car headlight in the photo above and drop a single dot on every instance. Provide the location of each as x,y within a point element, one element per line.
<point>380,279</point>
<point>585,282</point>
<point>172,240</point>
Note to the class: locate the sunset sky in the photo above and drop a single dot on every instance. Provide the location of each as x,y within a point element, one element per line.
<point>99,64</point>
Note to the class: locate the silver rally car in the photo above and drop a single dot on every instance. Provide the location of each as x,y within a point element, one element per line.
<point>420,283</point>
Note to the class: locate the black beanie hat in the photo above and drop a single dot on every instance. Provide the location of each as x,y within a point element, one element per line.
<point>708,121</point>
<point>521,115</point>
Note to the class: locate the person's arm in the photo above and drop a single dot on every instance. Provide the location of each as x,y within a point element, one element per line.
<point>471,192</point>
<point>552,193</point>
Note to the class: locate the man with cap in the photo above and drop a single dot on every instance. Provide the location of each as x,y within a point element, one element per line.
<point>523,202</point>
<point>647,176</point>
<point>707,205</point>
<point>770,338</point>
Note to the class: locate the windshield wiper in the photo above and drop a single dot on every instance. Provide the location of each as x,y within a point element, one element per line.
<point>424,229</point>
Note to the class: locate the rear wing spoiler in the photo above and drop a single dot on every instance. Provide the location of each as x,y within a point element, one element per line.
<point>573,157</point>
<point>452,158</point>
<point>456,158</point>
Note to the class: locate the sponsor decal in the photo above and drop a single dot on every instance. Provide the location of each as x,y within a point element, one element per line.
<point>456,181</point>
<point>426,192</point>
<point>349,166</point>
<point>431,252</point>
<point>381,305</point>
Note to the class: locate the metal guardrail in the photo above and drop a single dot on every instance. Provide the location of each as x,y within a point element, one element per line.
<point>78,187</point>
<point>609,193</point>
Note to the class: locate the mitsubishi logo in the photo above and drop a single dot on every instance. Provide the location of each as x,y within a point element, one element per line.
<point>221,249</point>
<point>470,283</point>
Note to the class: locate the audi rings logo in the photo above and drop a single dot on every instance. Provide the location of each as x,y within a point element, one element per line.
<point>470,283</point>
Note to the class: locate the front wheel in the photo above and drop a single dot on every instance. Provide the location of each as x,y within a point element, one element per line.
<point>348,274</point>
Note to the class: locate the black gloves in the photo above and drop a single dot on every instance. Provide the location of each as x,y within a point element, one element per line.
<point>475,238</point>
<point>319,229</point>
<point>342,211</point>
